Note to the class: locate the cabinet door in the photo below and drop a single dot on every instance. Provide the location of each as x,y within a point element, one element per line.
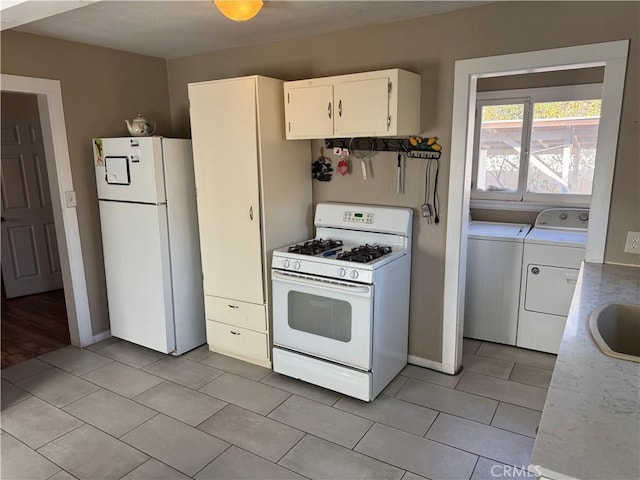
<point>362,107</point>
<point>224,132</point>
<point>309,111</point>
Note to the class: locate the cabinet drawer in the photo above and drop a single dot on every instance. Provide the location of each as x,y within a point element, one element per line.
<point>237,339</point>
<point>242,314</point>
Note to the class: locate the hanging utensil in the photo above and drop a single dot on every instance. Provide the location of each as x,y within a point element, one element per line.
<point>399,175</point>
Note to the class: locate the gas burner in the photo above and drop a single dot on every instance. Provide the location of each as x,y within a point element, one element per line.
<point>314,247</point>
<point>364,253</point>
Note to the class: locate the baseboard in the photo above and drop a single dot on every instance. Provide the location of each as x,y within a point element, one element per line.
<point>425,362</point>
<point>102,336</point>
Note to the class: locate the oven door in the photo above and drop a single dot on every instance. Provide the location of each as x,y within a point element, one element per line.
<point>322,317</point>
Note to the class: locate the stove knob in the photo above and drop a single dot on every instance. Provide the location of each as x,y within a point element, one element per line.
<point>583,217</point>
<point>341,272</point>
<point>354,274</point>
<point>296,265</point>
<point>286,263</point>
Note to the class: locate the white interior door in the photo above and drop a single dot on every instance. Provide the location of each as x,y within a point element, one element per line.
<point>30,260</point>
<point>225,150</point>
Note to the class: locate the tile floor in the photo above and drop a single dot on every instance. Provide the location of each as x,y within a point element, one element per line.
<point>116,410</point>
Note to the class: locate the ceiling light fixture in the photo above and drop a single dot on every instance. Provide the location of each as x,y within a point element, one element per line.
<point>239,10</point>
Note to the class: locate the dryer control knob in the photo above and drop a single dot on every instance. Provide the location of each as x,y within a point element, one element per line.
<point>286,263</point>
<point>354,274</point>
<point>341,272</point>
<point>296,265</point>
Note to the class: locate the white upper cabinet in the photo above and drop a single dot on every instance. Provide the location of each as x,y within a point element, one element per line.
<point>382,103</point>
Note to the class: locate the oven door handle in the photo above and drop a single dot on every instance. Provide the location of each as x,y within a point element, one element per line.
<point>302,280</point>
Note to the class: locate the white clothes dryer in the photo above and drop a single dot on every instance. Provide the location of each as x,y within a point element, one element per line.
<point>553,252</point>
<point>494,263</point>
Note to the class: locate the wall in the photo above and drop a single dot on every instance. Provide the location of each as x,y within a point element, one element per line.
<point>100,88</point>
<point>430,46</point>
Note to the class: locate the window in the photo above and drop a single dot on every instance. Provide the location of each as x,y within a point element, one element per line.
<point>536,145</point>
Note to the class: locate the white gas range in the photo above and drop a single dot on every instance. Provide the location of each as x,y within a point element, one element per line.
<point>341,300</point>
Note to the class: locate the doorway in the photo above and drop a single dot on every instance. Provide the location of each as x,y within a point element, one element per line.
<point>34,319</point>
<point>60,184</point>
<point>613,57</point>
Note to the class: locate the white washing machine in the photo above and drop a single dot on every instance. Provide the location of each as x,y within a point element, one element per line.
<point>494,264</point>
<point>553,252</point>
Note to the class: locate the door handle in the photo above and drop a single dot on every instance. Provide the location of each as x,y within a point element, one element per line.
<point>2,219</point>
<point>251,213</point>
<point>329,109</point>
<point>340,108</point>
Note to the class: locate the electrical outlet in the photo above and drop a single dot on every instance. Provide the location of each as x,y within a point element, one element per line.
<point>632,245</point>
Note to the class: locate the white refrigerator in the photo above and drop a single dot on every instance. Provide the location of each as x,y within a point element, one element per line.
<point>150,241</point>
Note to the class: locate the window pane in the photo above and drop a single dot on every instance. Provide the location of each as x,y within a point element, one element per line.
<point>500,145</point>
<point>563,147</point>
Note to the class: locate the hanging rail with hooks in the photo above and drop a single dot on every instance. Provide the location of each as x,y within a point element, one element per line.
<point>412,147</point>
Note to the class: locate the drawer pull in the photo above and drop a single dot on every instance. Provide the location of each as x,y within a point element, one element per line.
<point>233,306</point>
<point>234,333</point>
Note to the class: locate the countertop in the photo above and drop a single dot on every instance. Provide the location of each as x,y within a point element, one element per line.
<point>590,426</point>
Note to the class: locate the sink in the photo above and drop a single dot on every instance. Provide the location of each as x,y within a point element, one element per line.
<point>615,327</point>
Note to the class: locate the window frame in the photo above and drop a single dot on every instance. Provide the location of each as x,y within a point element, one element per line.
<point>529,97</point>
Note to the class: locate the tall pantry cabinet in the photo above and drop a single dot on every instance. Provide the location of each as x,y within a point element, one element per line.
<point>254,195</point>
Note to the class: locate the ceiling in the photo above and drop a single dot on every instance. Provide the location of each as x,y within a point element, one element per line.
<point>171,29</point>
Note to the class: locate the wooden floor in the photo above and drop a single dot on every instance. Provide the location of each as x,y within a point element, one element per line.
<point>33,325</point>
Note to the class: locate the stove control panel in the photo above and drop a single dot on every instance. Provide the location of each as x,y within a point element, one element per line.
<point>357,217</point>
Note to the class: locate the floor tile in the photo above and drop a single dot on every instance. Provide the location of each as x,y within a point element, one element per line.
<point>321,420</point>
<point>252,432</point>
<point>503,390</point>
<point>233,365</point>
<point>184,372</point>
<point>176,444</point>
<point>538,377</point>
<point>88,453</point>
<point>303,389</point>
<point>486,365</point>
<point>24,370</point>
<point>395,385</point>
<point>197,354</point>
<point>57,387</point>
<point>404,416</point>
<point>491,470</point>
<point>470,345</point>
<point>17,461</point>
<point>317,458</point>
<point>131,354</point>
<point>62,475</point>
<point>11,394</point>
<point>181,403</point>
<point>517,355</point>
<point>412,476</point>
<point>122,379</point>
<point>102,343</point>
<point>237,464</point>
<point>415,454</point>
<point>35,422</point>
<point>447,400</point>
<point>516,419</point>
<point>74,360</point>
<point>431,376</point>
<point>109,412</point>
<point>152,469</point>
<point>245,393</point>
<point>483,440</point>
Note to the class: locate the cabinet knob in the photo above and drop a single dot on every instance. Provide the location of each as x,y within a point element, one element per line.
<point>234,333</point>
<point>340,108</point>
<point>329,109</point>
<point>535,270</point>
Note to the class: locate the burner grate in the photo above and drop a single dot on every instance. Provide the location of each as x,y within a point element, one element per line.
<point>364,253</point>
<point>314,247</point>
